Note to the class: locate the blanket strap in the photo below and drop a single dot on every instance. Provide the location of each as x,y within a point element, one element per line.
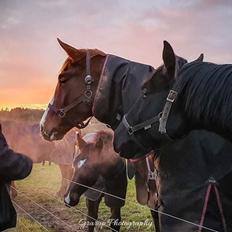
<point>212,185</point>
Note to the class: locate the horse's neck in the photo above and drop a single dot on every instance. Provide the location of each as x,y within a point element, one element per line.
<point>108,94</point>
<point>114,170</point>
<point>118,88</point>
<point>110,161</point>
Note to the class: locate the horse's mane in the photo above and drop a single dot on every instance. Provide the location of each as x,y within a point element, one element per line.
<point>205,91</point>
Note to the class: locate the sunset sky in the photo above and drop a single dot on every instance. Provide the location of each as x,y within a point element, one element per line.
<point>30,56</point>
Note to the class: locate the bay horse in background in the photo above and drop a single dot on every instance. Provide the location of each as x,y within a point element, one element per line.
<point>97,165</point>
<point>26,138</point>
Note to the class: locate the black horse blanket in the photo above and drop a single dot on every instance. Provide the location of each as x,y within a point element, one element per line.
<point>114,94</point>
<point>13,166</point>
<point>185,168</point>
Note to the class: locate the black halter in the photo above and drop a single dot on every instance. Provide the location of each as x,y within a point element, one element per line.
<point>86,97</point>
<point>162,118</point>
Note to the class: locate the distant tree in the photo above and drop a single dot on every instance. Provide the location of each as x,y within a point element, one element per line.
<point>21,114</point>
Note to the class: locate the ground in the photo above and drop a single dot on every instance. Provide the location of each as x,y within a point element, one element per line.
<point>36,195</point>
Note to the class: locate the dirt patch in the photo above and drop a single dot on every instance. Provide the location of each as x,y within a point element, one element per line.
<point>51,215</point>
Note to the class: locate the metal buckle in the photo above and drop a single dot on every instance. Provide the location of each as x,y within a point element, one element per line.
<point>152,175</point>
<point>211,180</point>
<point>88,93</point>
<point>172,96</point>
<point>130,130</point>
<point>89,80</point>
<point>147,127</point>
<point>61,113</point>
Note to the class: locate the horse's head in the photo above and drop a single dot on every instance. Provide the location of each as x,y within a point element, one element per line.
<point>86,168</point>
<point>129,140</point>
<point>72,102</point>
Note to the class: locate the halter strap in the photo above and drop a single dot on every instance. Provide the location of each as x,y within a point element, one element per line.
<point>151,175</point>
<point>88,71</point>
<point>143,125</point>
<point>86,97</point>
<point>166,111</point>
<point>162,118</point>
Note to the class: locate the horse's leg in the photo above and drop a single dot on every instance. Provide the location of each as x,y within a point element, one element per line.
<point>115,218</point>
<point>155,217</point>
<point>92,213</point>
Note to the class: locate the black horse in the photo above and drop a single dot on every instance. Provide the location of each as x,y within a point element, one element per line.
<point>189,170</point>
<point>188,166</point>
<point>13,166</point>
<point>147,121</point>
<point>186,96</point>
<point>98,166</point>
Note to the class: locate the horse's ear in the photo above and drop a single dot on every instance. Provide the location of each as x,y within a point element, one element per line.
<point>200,58</point>
<point>99,143</point>
<point>72,52</point>
<point>81,142</point>
<point>169,58</point>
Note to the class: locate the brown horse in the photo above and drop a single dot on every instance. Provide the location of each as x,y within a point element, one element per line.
<point>92,83</point>
<point>98,166</point>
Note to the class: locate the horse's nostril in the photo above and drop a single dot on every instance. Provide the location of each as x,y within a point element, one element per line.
<point>44,134</point>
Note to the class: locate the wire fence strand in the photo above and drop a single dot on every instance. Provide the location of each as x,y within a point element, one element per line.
<point>52,214</point>
<point>117,197</point>
<point>29,215</point>
<point>81,212</point>
<point>145,206</point>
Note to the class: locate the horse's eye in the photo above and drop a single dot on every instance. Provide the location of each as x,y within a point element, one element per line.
<point>62,77</point>
<point>62,81</point>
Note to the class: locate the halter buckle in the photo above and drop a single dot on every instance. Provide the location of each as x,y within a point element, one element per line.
<point>130,130</point>
<point>88,93</point>
<point>88,80</point>
<point>172,96</point>
<point>61,113</point>
<point>152,175</point>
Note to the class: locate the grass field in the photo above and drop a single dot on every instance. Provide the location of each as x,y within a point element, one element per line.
<point>36,195</point>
